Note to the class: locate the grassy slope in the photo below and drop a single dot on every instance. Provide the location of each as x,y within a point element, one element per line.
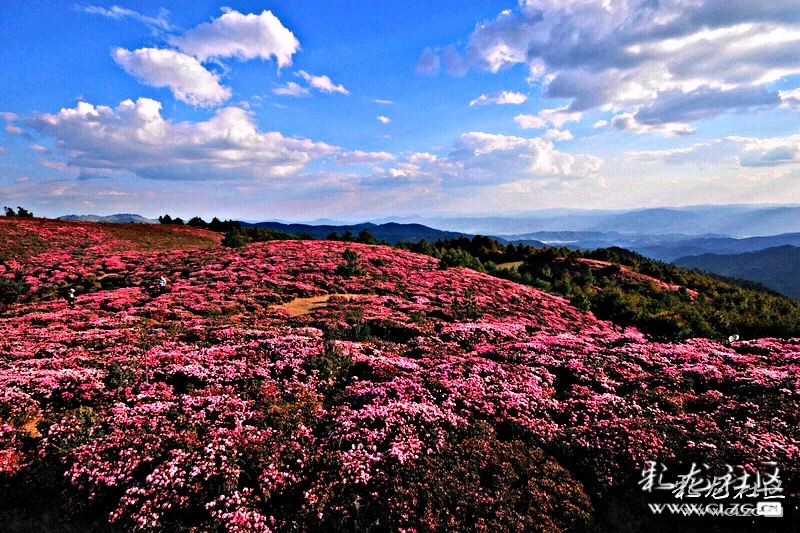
<point>23,238</point>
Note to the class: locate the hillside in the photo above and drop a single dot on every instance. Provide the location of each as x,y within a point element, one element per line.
<point>778,268</point>
<point>664,301</point>
<point>330,386</point>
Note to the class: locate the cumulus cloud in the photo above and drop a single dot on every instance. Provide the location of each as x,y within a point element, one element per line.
<point>499,97</point>
<point>600,124</point>
<point>455,64</point>
<point>188,80</point>
<point>429,62</point>
<point>135,137</point>
<point>791,98</point>
<point>241,36</point>
<point>59,165</point>
<point>672,62</point>
<point>358,157</point>
<point>322,83</point>
<point>558,135</point>
<point>385,120</point>
<point>504,155</point>
<point>420,157</point>
<point>768,152</point>
<point>557,117</point>
<point>628,122</point>
<point>736,151</point>
<point>290,89</point>
<point>157,23</point>
<point>530,122</point>
<point>8,117</point>
<point>16,130</point>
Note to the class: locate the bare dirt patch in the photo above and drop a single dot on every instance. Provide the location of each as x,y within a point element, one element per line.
<point>512,264</point>
<point>306,306</point>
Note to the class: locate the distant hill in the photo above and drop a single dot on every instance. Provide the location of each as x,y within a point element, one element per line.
<point>391,232</point>
<point>777,267</point>
<point>116,219</point>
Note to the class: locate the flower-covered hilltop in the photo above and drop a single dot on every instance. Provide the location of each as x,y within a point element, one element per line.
<point>296,386</point>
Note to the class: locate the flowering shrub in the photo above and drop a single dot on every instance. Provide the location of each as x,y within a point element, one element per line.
<point>419,399</point>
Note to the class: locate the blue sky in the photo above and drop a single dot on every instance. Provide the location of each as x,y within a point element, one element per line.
<point>305,109</point>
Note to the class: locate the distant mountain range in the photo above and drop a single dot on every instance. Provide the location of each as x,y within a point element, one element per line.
<point>728,220</point>
<point>390,232</point>
<point>121,218</point>
<point>777,267</point>
<point>661,247</point>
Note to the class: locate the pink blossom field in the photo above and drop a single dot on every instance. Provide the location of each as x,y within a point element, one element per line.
<point>424,400</point>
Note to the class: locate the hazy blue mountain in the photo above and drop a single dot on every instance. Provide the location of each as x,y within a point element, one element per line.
<point>727,220</point>
<point>777,267</point>
<point>117,219</point>
<point>669,251</point>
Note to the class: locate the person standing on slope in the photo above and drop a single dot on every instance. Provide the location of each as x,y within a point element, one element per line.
<point>71,298</point>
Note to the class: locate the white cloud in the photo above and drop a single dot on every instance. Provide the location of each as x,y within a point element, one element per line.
<point>420,157</point>
<point>557,117</point>
<point>665,63</point>
<point>769,152</point>
<point>628,122</point>
<point>387,102</point>
<point>3,150</point>
<point>8,117</point>
<point>135,137</point>
<point>241,36</point>
<point>558,135</point>
<point>429,62</point>
<point>600,124</point>
<point>188,80</point>
<point>290,89</point>
<point>60,166</point>
<point>22,179</point>
<point>499,97</point>
<point>358,157</point>
<point>15,130</point>
<point>385,120</point>
<point>733,151</point>
<point>790,98</point>
<point>160,23</point>
<point>39,148</point>
<point>455,64</point>
<point>530,122</point>
<point>506,157</point>
<point>322,83</point>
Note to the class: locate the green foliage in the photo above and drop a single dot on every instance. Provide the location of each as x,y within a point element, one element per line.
<point>365,237</point>
<point>21,212</point>
<point>220,226</point>
<point>352,266</point>
<point>197,222</point>
<point>168,220</point>
<point>234,238</point>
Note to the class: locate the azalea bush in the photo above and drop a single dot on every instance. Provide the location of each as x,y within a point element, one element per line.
<point>407,398</point>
